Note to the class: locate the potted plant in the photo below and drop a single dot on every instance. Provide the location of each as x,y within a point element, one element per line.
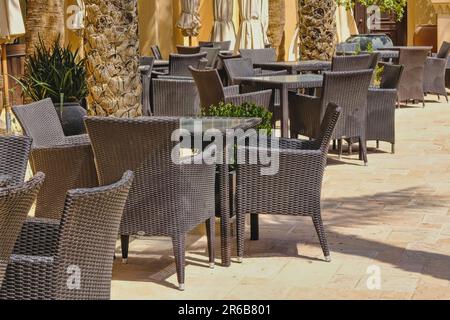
<point>57,73</point>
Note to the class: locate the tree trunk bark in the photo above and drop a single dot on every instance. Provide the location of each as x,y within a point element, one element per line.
<point>317,27</point>
<point>277,22</point>
<point>112,51</point>
<point>44,19</point>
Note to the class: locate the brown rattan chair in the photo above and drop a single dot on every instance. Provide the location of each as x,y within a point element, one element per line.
<point>179,64</point>
<point>381,107</point>
<point>156,52</point>
<point>188,50</point>
<point>259,55</point>
<point>351,63</point>
<point>166,199</point>
<point>412,81</point>
<point>212,55</point>
<point>71,258</point>
<point>145,68</point>
<point>14,152</point>
<point>175,97</point>
<point>15,203</point>
<point>222,45</point>
<point>68,162</point>
<point>434,73</point>
<point>349,90</point>
<point>212,92</point>
<point>294,190</point>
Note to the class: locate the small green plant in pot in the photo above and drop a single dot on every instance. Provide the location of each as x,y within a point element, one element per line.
<point>57,73</point>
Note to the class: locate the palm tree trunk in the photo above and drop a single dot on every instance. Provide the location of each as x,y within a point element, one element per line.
<point>277,21</point>
<point>44,19</point>
<point>317,27</point>
<point>112,51</point>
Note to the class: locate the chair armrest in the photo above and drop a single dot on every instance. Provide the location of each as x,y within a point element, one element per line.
<point>38,237</point>
<point>258,71</point>
<point>29,278</point>
<point>260,98</point>
<point>231,90</point>
<point>170,77</point>
<point>78,139</point>
<point>157,74</point>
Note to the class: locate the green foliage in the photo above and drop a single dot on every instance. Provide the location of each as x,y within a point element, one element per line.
<point>56,73</point>
<point>379,69</point>
<point>396,7</point>
<point>246,110</point>
<point>370,47</point>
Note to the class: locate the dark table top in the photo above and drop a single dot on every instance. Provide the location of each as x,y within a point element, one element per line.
<point>307,65</point>
<point>288,81</point>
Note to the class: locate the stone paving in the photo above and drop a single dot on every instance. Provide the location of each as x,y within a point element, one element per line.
<point>390,219</point>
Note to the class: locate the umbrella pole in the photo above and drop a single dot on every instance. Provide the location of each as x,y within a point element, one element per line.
<point>6,105</point>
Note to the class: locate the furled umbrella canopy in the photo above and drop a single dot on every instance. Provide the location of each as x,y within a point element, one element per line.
<point>223,29</point>
<point>189,21</point>
<point>251,32</point>
<point>11,27</point>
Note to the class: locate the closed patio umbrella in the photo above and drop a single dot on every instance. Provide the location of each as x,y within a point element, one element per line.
<point>251,31</point>
<point>11,27</point>
<point>345,24</point>
<point>223,29</point>
<point>189,21</point>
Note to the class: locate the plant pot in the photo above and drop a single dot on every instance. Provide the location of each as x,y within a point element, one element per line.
<point>72,118</point>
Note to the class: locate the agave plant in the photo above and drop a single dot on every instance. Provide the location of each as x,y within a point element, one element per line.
<point>56,73</point>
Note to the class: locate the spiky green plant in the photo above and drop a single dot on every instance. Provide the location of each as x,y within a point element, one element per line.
<point>57,73</point>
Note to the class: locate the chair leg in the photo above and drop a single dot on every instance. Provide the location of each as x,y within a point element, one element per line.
<point>340,148</point>
<point>393,148</point>
<point>318,225</point>
<point>363,148</point>
<point>423,103</point>
<point>378,144</point>
<point>211,234</point>
<point>240,226</point>
<point>254,227</point>
<point>334,144</point>
<point>125,242</point>
<point>179,243</point>
<point>350,147</point>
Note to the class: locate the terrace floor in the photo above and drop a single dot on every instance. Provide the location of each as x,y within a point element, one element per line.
<point>393,215</point>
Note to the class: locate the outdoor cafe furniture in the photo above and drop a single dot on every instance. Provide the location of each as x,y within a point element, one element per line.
<point>145,69</point>
<point>14,152</point>
<point>156,52</point>
<point>412,81</point>
<point>243,67</point>
<point>68,162</point>
<point>434,74</point>
<point>15,203</point>
<point>284,83</point>
<point>381,106</point>
<point>348,89</point>
<point>212,55</point>
<point>70,258</point>
<point>212,92</point>
<point>294,190</point>
<point>222,45</point>
<point>179,63</point>
<point>167,199</point>
<point>188,50</point>
<point>259,55</point>
<point>175,97</point>
<point>351,63</point>
<point>294,67</point>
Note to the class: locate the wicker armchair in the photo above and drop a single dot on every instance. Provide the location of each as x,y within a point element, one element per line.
<point>434,73</point>
<point>175,97</point>
<point>294,190</point>
<point>69,258</point>
<point>67,162</point>
<point>167,199</point>
<point>14,152</point>
<point>212,55</point>
<point>15,203</point>
<point>411,83</point>
<point>259,55</point>
<point>187,50</point>
<point>212,92</point>
<point>145,68</point>
<point>179,63</point>
<point>351,63</point>
<point>243,67</point>
<point>349,90</point>
<point>156,52</point>
<point>222,45</point>
<point>381,107</point>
